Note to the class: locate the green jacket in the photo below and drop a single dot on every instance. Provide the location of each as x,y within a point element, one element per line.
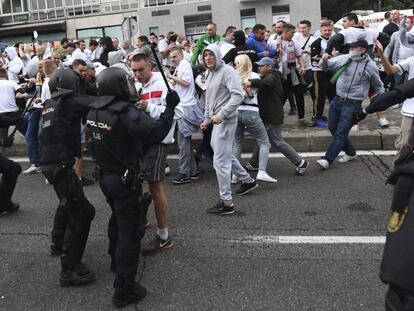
<point>202,43</point>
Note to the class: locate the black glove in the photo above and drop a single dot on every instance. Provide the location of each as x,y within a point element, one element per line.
<point>358,116</point>
<point>8,141</point>
<point>172,99</point>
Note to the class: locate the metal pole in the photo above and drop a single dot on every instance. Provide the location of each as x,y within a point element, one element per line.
<point>379,5</point>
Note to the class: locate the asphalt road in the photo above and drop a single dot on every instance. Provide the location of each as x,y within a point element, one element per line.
<point>219,263</point>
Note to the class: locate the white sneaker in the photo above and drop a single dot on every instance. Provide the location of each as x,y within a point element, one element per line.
<point>323,163</point>
<point>263,176</point>
<point>396,106</point>
<point>234,180</point>
<point>346,158</point>
<point>355,128</point>
<point>33,170</point>
<point>383,122</point>
<point>167,170</point>
<point>47,182</point>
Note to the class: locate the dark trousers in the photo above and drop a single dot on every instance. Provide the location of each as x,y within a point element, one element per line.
<point>10,170</point>
<point>125,228</point>
<point>321,90</point>
<point>298,92</point>
<point>73,216</point>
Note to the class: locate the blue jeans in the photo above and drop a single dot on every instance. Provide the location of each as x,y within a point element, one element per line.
<point>31,136</point>
<point>339,124</point>
<point>251,121</point>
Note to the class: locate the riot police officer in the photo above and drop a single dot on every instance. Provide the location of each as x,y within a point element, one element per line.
<point>60,145</point>
<point>10,170</point>
<point>119,131</point>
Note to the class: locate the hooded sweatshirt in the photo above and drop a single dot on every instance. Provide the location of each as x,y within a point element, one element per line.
<point>224,92</point>
<point>15,64</point>
<point>103,59</point>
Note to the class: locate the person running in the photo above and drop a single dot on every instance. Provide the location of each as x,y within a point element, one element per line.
<point>224,94</point>
<point>356,73</point>
<point>249,119</point>
<point>270,94</point>
<point>183,81</point>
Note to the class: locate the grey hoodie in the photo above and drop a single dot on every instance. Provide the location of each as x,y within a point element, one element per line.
<point>224,92</point>
<point>356,81</point>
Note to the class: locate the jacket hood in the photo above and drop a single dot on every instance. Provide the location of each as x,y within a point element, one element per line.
<point>115,57</point>
<point>216,51</point>
<point>239,38</point>
<point>11,51</point>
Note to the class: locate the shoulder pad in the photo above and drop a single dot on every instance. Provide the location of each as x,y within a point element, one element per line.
<point>133,113</point>
<point>119,106</point>
<point>61,93</point>
<point>102,102</point>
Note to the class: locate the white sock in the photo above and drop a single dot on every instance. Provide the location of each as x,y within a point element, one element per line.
<point>162,233</point>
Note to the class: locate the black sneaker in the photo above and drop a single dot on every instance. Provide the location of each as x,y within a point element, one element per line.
<point>136,294</point>
<point>157,245</point>
<point>86,181</point>
<point>221,208</point>
<point>247,187</point>
<point>80,275</point>
<point>181,179</point>
<point>11,208</point>
<point>251,166</point>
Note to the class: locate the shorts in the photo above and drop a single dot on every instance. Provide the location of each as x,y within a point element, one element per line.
<point>155,159</point>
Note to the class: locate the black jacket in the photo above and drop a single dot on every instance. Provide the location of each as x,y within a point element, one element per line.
<point>270,94</point>
<point>241,48</point>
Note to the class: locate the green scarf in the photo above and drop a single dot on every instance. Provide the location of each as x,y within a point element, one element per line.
<point>340,71</point>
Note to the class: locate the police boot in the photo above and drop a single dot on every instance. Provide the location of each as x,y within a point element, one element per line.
<point>79,275</point>
<point>123,298</point>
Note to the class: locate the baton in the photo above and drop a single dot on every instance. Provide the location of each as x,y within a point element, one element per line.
<point>24,111</point>
<point>160,68</point>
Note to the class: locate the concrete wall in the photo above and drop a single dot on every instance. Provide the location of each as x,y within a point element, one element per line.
<point>94,22</point>
<point>227,13</point>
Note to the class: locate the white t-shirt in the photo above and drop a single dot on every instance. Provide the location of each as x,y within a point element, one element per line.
<point>162,46</point>
<point>305,45</point>
<point>45,91</point>
<point>285,47</point>
<point>353,34</point>
<point>272,41</point>
<point>8,97</point>
<point>404,53</point>
<point>408,105</point>
<point>186,93</point>
<point>188,56</point>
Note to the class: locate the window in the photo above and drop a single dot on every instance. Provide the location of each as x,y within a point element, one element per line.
<point>160,13</point>
<point>202,8</point>
<point>281,12</point>
<point>196,25</point>
<point>110,31</point>
<point>153,30</point>
<point>248,18</point>
<point>6,6</point>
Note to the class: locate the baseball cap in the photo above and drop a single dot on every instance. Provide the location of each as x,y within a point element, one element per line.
<point>265,61</point>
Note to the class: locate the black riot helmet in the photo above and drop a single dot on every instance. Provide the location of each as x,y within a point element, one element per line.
<point>64,79</point>
<point>116,82</point>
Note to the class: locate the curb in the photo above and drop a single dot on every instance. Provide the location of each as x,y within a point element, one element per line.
<point>301,141</point>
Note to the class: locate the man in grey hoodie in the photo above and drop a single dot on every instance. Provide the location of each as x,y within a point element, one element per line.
<point>224,94</point>
<point>355,73</point>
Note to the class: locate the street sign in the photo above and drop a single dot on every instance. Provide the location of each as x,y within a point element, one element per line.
<point>129,27</point>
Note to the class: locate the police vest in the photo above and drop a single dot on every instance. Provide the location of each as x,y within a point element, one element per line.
<point>115,150</point>
<point>60,135</point>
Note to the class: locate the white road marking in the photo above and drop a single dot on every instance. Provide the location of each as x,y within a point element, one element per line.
<point>271,155</point>
<point>275,239</point>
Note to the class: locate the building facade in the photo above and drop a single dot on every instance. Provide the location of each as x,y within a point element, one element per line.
<point>55,19</point>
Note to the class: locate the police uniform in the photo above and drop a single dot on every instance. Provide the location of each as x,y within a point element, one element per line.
<point>60,144</point>
<point>10,170</point>
<point>119,131</point>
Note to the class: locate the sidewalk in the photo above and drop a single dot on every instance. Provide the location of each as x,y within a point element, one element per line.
<point>370,136</point>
